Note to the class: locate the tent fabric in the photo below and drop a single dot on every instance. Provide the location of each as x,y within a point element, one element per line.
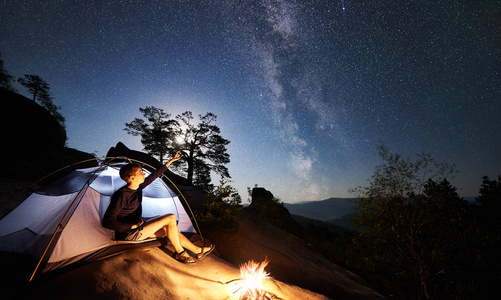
<point>77,203</point>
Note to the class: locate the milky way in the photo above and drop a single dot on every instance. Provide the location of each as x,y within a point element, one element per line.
<point>304,90</point>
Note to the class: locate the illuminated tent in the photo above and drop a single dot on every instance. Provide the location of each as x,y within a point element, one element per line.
<point>60,224</point>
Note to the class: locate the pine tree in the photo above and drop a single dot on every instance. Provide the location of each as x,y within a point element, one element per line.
<point>413,229</point>
<point>202,147</point>
<point>6,80</point>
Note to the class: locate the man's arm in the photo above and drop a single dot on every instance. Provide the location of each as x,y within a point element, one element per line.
<point>177,156</point>
<point>159,171</point>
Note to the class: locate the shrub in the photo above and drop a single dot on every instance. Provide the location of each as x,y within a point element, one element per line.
<point>221,210</point>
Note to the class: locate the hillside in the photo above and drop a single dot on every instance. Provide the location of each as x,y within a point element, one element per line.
<point>292,260</point>
<point>146,274</point>
<point>344,221</point>
<point>332,208</point>
<point>297,269</point>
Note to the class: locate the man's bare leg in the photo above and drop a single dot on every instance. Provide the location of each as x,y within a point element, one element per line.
<point>167,226</point>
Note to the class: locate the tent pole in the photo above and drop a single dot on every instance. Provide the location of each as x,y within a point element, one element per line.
<point>60,225</point>
<point>45,252</point>
<point>46,176</point>
<point>189,208</point>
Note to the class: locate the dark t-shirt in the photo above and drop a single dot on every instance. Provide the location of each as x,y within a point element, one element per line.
<point>125,207</point>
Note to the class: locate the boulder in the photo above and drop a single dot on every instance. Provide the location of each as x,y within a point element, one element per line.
<point>267,208</point>
<point>29,124</point>
<point>34,141</point>
<point>260,196</point>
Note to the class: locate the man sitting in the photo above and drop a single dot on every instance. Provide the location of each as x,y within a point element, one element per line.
<point>124,214</point>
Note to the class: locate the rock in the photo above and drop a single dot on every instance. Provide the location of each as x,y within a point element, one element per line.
<point>266,207</point>
<point>29,124</point>
<point>34,140</point>
<point>291,260</point>
<point>260,196</point>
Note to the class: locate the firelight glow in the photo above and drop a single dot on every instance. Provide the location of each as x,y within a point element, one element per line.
<point>250,286</point>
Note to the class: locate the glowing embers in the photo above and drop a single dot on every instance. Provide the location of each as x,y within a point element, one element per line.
<point>249,285</point>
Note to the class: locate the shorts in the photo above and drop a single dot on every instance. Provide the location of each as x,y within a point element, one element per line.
<point>135,234</point>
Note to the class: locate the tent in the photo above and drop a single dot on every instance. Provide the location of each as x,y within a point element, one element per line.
<point>60,224</point>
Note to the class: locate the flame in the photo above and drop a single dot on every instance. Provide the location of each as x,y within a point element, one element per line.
<point>249,287</point>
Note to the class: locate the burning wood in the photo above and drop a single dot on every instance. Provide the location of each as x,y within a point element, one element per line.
<point>249,285</point>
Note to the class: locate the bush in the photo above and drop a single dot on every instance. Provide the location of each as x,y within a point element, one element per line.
<point>414,231</point>
<point>221,211</point>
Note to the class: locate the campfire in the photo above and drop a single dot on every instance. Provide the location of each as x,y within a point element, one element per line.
<point>249,285</point>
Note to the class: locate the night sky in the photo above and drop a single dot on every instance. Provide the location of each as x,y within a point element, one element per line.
<point>304,90</point>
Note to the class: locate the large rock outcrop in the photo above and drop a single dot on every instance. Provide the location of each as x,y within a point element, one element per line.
<point>266,207</point>
<point>33,140</point>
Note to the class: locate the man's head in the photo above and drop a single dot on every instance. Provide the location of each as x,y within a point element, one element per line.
<point>131,172</point>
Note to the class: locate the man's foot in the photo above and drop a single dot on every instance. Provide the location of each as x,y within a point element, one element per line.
<point>184,257</point>
<point>204,251</point>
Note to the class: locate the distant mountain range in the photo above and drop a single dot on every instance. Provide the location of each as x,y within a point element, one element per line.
<point>337,211</point>
<point>324,210</point>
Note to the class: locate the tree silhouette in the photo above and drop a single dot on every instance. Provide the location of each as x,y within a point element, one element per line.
<point>6,80</point>
<point>202,147</point>
<point>35,85</point>
<point>40,90</point>
<point>157,131</point>
<point>413,227</point>
<point>489,243</point>
<point>45,100</point>
<point>221,210</point>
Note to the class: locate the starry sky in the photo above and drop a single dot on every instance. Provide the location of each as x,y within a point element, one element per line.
<point>304,90</point>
